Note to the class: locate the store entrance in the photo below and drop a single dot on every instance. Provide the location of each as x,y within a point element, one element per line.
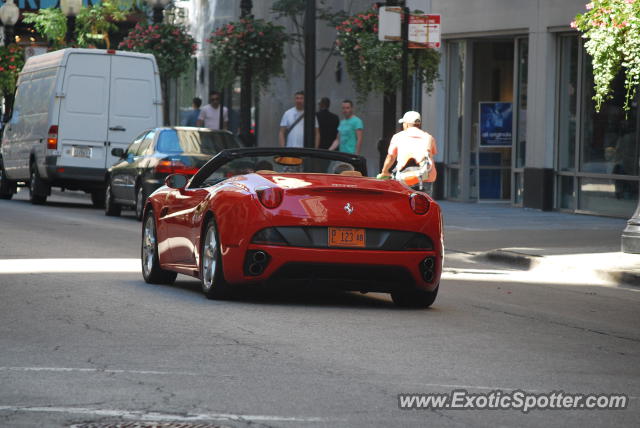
<point>492,119</point>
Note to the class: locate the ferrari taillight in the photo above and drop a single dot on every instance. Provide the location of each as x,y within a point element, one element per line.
<point>419,203</point>
<point>169,166</point>
<point>52,138</point>
<point>270,197</point>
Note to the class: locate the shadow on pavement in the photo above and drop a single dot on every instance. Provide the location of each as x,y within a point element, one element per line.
<point>301,296</point>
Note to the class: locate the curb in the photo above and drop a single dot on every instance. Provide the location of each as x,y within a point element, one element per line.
<point>524,261</point>
<point>512,258</point>
<point>622,277</point>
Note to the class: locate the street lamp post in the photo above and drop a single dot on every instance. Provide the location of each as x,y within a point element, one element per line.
<point>158,6</point>
<point>245,84</point>
<point>9,14</point>
<point>70,9</point>
<point>310,74</point>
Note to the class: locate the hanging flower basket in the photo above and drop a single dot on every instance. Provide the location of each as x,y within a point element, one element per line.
<point>612,30</point>
<point>252,44</point>
<point>170,44</point>
<point>375,66</point>
<point>11,62</point>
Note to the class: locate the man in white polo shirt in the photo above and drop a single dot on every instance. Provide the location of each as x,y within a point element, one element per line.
<point>292,125</point>
<point>210,114</point>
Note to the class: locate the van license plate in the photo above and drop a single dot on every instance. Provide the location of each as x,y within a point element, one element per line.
<point>81,152</point>
<point>346,237</point>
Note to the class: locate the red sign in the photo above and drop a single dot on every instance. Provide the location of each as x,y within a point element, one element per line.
<point>424,31</point>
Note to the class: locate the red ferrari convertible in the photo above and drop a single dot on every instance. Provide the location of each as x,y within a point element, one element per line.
<point>282,215</point>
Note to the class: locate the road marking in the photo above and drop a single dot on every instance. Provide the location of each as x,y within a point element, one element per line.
<point>23,266</point>
<point>94,370</point>
<point>163,417</point>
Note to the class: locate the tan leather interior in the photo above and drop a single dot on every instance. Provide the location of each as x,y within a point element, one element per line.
<point>265,171</point>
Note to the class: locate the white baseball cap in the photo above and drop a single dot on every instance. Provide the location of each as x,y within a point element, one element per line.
<point>411,117</point>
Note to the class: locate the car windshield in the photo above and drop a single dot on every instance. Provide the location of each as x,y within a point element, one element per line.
<point>175,141</point>
<point>279,164</point>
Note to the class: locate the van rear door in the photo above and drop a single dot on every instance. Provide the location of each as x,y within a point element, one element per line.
<point>84,111</point>
<point>133,103</point>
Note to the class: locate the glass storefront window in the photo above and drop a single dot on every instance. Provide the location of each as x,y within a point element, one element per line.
<point>567,195</point>
<point>567,108</point>
<point>523,80</point>
<point>456,55</point>
<point>608,196</point>
<point>453,183</point>
<point>609,143</point>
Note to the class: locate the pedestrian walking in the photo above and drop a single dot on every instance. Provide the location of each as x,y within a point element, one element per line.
<point>191,118</point>
<point>292,125</point>
<point>350,131</point>
<point>211,116</point>
<point>328,123</point>
<point>414,149</point>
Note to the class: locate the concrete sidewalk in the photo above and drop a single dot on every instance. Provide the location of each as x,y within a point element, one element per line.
<point>557,243</point>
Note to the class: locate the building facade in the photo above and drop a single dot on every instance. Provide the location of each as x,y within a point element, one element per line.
<point>512,111</point>
<point>514,115</point>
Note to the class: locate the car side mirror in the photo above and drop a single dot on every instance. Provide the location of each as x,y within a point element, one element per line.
<point>117,152</point>
<point>176,181</point>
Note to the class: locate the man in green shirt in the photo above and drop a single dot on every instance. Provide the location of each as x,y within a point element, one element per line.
<point>349,139</point>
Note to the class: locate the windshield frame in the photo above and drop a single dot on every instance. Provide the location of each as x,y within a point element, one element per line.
<point>225,156</point>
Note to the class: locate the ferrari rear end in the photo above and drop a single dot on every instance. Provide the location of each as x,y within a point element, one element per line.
<point>354,233</point>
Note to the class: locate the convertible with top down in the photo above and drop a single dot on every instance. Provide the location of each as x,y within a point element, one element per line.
<point>287,215</point>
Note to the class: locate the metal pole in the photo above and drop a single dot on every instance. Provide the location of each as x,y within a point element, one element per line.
<point>71,27</point>
<point>245,84</point>
<point>310,74</point>
<point>157,15</point>
<point>406,95</point>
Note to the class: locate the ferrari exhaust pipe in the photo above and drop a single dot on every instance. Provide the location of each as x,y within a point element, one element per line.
<point>259,257</point>
<point>427,268</point>
<point>255,262</point>
<point>256,269</point>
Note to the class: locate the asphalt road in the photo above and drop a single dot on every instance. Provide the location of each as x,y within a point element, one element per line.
<point>84,340</point>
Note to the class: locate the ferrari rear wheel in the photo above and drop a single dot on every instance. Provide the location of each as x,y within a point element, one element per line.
<point>414,298</point>
<point>151,270</point>
<point>214,285</point>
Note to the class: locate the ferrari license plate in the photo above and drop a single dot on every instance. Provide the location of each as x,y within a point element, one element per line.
<point>346,237</point>
<point>81,152</point>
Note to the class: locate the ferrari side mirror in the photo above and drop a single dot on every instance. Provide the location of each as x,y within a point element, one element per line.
<point>176,181</point>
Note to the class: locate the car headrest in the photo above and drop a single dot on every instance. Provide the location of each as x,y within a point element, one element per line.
<point>352,173</point>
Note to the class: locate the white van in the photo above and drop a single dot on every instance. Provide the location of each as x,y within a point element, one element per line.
<point>72,107</point>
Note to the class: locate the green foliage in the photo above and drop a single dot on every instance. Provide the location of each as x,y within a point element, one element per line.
<point>95,23</point>
<point>375,66</point>
<point>11,62</point>
<point>171,44</point>
<point>51,24</point>
<point>252,44</point>
<point>612,30</point>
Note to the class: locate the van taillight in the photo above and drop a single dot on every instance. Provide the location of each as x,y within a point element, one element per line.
<point>168,166</point>
<point>52,138</point>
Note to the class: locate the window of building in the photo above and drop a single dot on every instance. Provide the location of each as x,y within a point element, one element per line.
<point>597,153</point>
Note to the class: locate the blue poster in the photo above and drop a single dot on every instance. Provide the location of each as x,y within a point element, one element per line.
<point>496,124</point>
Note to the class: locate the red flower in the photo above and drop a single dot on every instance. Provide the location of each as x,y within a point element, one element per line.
<point>12,67</point>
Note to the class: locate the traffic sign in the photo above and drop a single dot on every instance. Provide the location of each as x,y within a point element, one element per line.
<point>424,31</point>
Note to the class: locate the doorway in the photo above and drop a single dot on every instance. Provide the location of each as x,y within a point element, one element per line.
<point>492,120</point>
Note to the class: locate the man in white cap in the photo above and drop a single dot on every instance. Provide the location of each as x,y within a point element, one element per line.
<point>412,147</point>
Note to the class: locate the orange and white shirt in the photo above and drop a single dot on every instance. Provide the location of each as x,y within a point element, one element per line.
<point>413,143</point>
